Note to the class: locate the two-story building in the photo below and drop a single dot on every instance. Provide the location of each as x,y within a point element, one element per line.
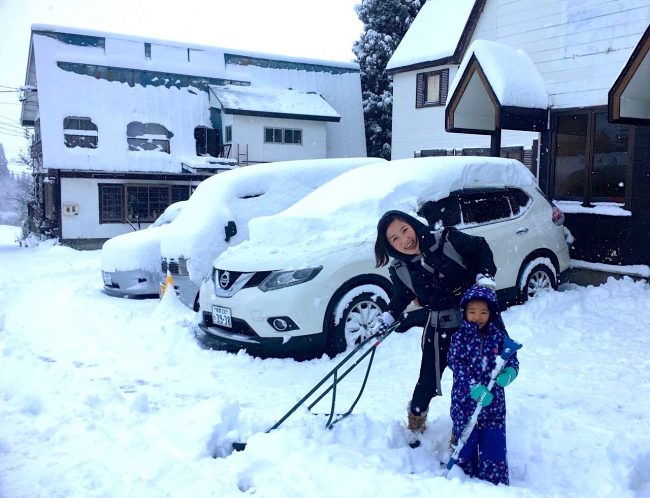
<point>124,126</point>
<point>575,107</point>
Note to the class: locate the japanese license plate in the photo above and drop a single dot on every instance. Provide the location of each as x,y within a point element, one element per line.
<point>107,279</point>
<point>221,316</point>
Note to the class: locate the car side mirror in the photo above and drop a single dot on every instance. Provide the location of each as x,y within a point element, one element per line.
<point>231,230</point>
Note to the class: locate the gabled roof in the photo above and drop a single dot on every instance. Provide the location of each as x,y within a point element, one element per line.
<point>271,102</point>
<point>629,97</point>
<point>496,87</point>
<point>438,35</point>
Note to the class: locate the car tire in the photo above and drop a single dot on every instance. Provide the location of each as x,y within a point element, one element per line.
<point>538,279</point>
<point>356,321</point>
<point>197,304</point>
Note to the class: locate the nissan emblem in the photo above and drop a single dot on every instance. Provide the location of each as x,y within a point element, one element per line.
<point>224,279</point>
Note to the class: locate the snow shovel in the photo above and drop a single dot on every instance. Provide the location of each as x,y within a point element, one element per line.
<point>331,421</point>
<point>510,347</point>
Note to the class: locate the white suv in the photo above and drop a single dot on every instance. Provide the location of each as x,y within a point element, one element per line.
<point>305,282</point>
<point>217,214</point>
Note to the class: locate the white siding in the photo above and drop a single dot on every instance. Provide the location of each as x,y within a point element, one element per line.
<point>84,192</point>
<point>578,46</point>
<point>417,129</point>
<point>250,130</point>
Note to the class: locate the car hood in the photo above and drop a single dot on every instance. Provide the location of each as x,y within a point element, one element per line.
<point>133,251</point>
<point>267,258</point>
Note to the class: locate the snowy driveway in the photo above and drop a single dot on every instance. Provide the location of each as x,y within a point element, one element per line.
<point>108,397</point>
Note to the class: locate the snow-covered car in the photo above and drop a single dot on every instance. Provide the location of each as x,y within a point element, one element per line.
<point>131,261</point>
<point>305,282</point>
<point>218,212</point>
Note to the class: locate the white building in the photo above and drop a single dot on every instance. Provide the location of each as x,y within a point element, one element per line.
<point>580,117</point>
<point>124,125</point>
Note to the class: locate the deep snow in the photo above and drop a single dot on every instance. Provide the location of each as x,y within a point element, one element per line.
<point>108,397</point>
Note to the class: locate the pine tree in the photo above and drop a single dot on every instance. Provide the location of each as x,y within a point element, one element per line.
<point>4,169</point>
<point>384,24</point>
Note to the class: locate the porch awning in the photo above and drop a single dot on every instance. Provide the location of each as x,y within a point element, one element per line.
<point>496,87</point>
<point>272,102</point>
<point>629,97</point>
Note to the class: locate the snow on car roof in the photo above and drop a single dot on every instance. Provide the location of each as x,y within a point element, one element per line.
<point>239,195</point>
<point>345,211</point>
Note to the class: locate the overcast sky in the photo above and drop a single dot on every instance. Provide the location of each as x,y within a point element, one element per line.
<point>319,29</point>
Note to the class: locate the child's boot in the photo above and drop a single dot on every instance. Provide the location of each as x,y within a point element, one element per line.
<point>416,426</point>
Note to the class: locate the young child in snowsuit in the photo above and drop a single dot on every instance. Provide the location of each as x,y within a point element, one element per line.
<point>472,356</point>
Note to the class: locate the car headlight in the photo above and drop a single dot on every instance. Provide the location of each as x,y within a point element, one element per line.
<point>287,278</point>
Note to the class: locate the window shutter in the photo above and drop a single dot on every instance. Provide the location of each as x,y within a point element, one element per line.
<point>419,90</point>
<point>444,85</point>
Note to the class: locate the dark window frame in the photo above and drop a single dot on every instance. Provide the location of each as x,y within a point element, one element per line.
<point>175,193</point>
<point>78,125</point>
<point>143,141</point>
<point>274,135</point>
<point>587,197</point>
<point>423,100</point>
<point>207,140</point>
<point>227,134</point>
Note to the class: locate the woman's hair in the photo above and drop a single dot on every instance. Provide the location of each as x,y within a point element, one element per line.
<point>381,244</point>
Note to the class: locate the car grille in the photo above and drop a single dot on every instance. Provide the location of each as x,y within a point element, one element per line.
<point>238,326</point>
<point>172,266</point>
<point>227,283</point>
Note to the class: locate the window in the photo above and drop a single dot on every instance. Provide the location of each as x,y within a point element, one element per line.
<point>111,209</point>
<point>282,136</point>
<point>485,206</point>
<point>431,88</point>
<point>591,156</point>
<point>147,50</point>
<point>138,203</point>
<point>228,134</point>
<point>145,203</point>
<point>518,200</point>
<point>79,132</point>
<point>181,192</point>
<point>207,141</point>
<point>148,136</point>
<point>444,211</point>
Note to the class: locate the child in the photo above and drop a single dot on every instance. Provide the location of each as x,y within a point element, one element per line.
<point>472,356</point>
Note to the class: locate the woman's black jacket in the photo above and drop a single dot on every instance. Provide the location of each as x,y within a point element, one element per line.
<point>443,288</point>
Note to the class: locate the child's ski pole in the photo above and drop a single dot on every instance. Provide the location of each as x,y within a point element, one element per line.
<point>509,348</point>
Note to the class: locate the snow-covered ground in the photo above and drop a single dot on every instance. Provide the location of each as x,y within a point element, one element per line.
<point>107,397</point>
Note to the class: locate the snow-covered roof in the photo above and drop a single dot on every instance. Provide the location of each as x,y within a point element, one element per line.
<point>434,34</point>
<point>512,74</point>
<point>235,99</point>
<point>179,43</point>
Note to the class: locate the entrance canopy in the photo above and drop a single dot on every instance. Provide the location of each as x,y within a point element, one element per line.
<point>629,97</point>
<point>496,87</point>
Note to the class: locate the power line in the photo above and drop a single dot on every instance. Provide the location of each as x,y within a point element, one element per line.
<point>11,134</point>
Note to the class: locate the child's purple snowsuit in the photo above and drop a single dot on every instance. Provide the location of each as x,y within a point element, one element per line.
<point>472,356</point>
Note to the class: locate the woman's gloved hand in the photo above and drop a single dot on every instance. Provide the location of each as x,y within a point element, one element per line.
<point>384,321</point>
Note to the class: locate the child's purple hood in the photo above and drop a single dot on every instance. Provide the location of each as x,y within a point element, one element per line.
<point>483,294</point>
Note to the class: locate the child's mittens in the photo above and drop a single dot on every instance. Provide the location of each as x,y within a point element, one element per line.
<point>506,377</point>
<point>481,395</point>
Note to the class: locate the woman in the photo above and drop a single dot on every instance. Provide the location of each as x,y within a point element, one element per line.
<point>434,268</point>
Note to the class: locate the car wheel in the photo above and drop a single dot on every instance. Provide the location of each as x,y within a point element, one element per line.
<point>540,278</point>
<point>354,322</point>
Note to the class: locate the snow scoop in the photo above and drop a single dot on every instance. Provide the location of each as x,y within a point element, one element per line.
<point>333,417</point>
<point>510,347</point>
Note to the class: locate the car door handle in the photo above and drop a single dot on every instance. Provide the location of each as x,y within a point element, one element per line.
<point>522,231</point>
